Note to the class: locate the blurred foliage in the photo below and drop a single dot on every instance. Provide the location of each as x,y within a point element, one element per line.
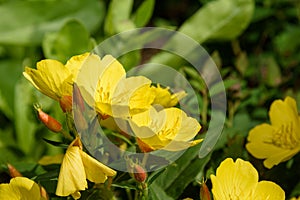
<point>254,44</point>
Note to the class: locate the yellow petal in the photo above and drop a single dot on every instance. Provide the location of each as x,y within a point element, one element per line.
<point>72,176</point>
<point>20,188</point>
<point>95,171</point>
<point>113,73</point>
<point>260,143</point>
<point>131,96</point>
<point>164,97</point>
<point>88,76</point>
<point>286,108</point>
<point>51,78</point>
<point>234,180</point>
<point>173,145</point>
<point>75,63</point>
<point>189,127</point>
<point>267,190</point>
<point>169,129</point>
<point>284,155</point>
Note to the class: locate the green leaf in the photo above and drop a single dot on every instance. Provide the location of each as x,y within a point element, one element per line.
<point>10,72</point>
<point>217,20</point>
<point>144,13</point>
<point>118,17</point>
<point>221,19</point>
<point>25,126</point>
<point>158,193</point>
<point>72,39</point>
<point>179,174</point>
<point>287,42</point>
<point>26,22</point>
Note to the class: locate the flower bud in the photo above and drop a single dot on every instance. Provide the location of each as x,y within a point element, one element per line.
<point>44,193</point>
<point>204,192</point>
<point>139,173</point>
<point>65,103</point>
<point>51,123</point>
<point>13,172</point>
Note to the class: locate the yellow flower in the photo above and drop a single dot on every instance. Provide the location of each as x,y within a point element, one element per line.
<point>55,79</point>
<point>104,86</point>
<point>76,167</point>
<point>239,180</point>
<point>20,188</point>
<point>279,141</point>
<point>164,98</point>
<point>169,129</point>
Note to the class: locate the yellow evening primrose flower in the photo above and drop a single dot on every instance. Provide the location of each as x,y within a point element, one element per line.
<point>105,87</point>
<point>239,180</point>
<point>169,129</point>
<point>164,97</point>
<point>76,167</point>
<point>55,79</point>
<point>20,188</point>
<point>279,141</point>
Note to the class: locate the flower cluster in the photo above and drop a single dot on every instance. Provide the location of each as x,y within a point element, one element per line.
<point>102,84</point>
<point>153,122</point>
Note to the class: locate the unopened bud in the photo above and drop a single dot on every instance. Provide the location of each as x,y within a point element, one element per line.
<point>204,192</point>
<point>13,172</point>
<point>65,103</point>
<point>139,173</point>
<point>44,193</point>
<point>51,123</point>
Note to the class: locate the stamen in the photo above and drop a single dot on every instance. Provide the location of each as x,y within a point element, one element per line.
<point>285,137</point>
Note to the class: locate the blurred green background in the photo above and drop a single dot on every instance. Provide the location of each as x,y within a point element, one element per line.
<point>255,44</point>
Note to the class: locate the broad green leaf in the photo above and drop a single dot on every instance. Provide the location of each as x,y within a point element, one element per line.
<point>217,20</point>
<point>156,192</point>
<point>221,19</point>
<point>179,174</point>
<point>26,22</point>
<point>10,72</point>
<point>118,17</point>
<point>72,39</point>
<point>7,145</point>
<point>144,13</point>
<point>25,127</point>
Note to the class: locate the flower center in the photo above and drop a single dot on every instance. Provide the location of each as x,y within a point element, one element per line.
<point>285,136</point>
<point>103,96</point>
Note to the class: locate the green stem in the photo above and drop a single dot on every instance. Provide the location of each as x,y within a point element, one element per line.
<point>66,135</point>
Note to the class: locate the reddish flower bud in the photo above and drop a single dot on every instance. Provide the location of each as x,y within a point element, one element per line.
<point>51,123</point>
<point>204,192</point>
<point>139,173</point>
<point>13,172</point>
<point>65,103</point>
<point>44,193</point>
